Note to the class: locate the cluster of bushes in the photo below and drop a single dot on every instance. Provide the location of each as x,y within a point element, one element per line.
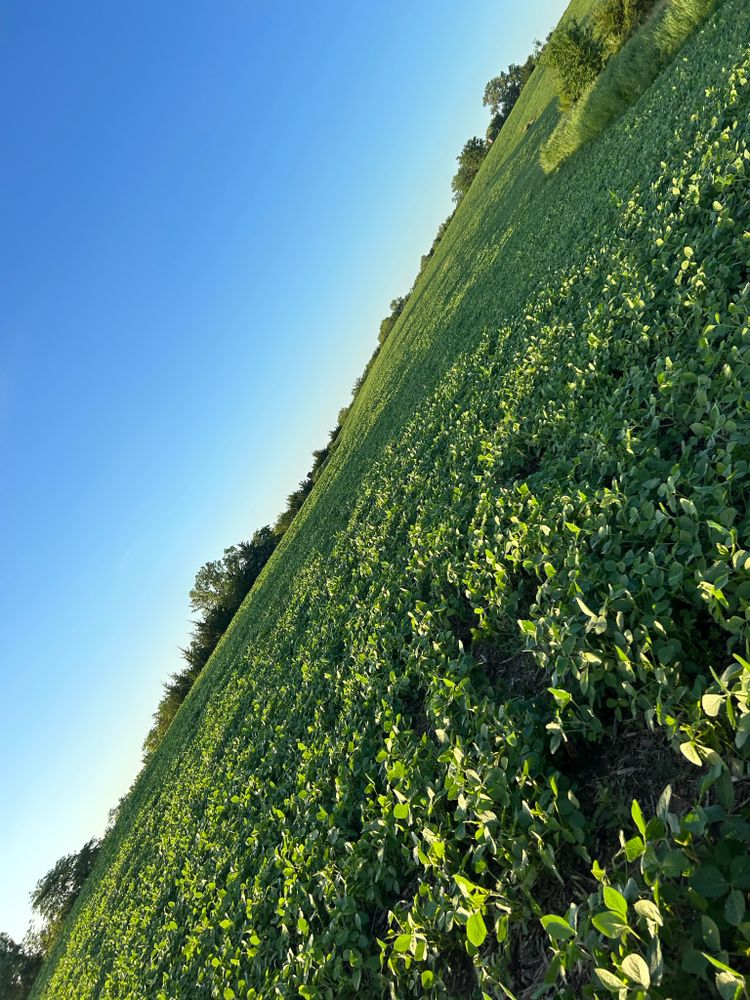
<point>19,967</point>
<point>605,64</point>
<point>578,50</point>
<point>616,20</point>
<point>577,55</point>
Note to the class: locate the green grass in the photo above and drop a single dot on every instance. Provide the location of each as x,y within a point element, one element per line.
<point>626,77</point>
<point>512,605</point>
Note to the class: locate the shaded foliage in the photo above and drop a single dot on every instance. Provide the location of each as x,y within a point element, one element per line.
<point>576,55</point>
<point>56,892</point>
<point>18,969</point>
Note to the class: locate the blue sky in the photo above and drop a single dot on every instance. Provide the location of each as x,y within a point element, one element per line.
<point>206,210</point>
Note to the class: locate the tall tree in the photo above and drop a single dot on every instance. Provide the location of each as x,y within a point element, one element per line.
<point>469,161</point>
<point>220,588</point>
<point>56,892</point>
<point>19,968</point>
<point>503,90</point>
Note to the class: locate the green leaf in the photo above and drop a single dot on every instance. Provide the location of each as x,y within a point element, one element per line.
<point>649,910</point>
<point>711,934</point>
<point>468,889</point>
<point>401,810</point>
<point>662,806</point>
<point>712,704</point>
<point>709,882</point>
<point>561,697</point>
<point>402,943</point>
<point>635,812</point>
<point>428,978</point>
<point>721,965</point>
<point>634,848</point>
<point>693,962</point>
<point>229,993</point>
<point>597,871</point>
<point>476,930</point>
<point>616,902</point>
<point>674,863</point>
<point>557,928</point>
<point>636,969</point>
<point>610,981</point>
<point>586,609</point>
<point>690,751</point>
<point>727,985</point>
<point>734,908</point>
<point>739,872</point>
<point>610,924</point>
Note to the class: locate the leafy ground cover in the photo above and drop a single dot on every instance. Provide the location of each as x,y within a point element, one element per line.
<point>482,726</point>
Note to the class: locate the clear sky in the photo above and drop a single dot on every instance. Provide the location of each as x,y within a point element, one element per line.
<point>205,210</point>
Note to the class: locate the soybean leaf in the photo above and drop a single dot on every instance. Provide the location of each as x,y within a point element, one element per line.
<point>635,812</point>
<point>727,985</point>
<point>610,981</point>
<point>711,934</point>
<point>636,969</point>
<point>734,908</point>
<point>690,751</point>
<point>712,704</point>
<point>557,928</point>
<point>634,848</point>
<point>616,902</point>
<point>646,908</point>
<point>709,882</point>
<point>476,931</point>
<point>610,924</point>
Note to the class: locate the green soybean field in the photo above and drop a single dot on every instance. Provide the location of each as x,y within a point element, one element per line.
<point>481,728</point>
